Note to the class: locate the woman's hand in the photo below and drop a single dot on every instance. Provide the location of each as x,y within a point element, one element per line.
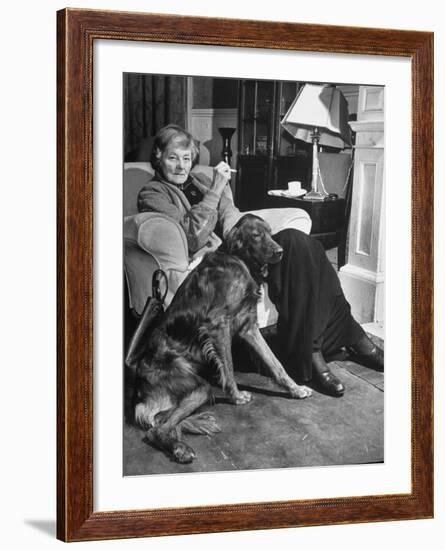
<point>221,176</point>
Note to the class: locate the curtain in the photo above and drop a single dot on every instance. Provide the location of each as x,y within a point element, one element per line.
<point>150,102</point>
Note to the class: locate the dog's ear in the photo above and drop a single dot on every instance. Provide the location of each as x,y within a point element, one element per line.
<point>233,242</point>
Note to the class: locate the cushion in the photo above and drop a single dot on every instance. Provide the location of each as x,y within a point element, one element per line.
<point>285,218</point>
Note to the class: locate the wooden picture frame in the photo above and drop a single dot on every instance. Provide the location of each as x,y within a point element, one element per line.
<point>77,31</point>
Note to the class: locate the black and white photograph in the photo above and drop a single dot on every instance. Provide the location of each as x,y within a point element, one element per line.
<point>254,274</point>
<point>221,230</point>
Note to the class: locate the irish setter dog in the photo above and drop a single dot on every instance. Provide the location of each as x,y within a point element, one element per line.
<point>217,302</point>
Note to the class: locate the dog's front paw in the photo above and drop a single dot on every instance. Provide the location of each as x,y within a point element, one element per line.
<point>300,392</point>
<point>241,398</point>
<point>183,453</point>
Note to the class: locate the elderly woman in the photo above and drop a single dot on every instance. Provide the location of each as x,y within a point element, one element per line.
<point>315,319</point>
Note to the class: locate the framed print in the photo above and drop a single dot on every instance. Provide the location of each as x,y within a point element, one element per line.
<point>170,129</point>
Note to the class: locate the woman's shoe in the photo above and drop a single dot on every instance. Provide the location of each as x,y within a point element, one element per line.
<point>325,379</point>
<point>330,384</point>
<point>367,353</point>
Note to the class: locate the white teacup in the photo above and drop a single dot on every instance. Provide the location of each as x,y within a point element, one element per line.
<point>295,187</point>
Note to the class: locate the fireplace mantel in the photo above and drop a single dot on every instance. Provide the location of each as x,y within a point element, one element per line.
<point>362,276</point>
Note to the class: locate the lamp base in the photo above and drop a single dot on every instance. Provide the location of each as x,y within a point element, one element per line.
<point>313,195</point>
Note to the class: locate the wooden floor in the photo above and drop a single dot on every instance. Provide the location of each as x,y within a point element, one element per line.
<point>274,431</point>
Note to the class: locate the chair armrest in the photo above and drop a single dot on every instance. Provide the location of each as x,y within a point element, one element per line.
<point>161,237</point>
<point>152,241</point>
<point>286,218</point>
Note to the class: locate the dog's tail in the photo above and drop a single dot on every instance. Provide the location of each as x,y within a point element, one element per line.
<point>200,424</point>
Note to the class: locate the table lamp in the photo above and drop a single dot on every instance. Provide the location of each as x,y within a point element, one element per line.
<point>318,115</point>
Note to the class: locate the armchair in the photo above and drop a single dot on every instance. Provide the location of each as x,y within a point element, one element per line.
<point>153,240</point>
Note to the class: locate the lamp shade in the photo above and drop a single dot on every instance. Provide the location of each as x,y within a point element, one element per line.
<point>320,106</point>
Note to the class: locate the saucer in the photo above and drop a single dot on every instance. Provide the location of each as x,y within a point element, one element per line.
<point>286,193</point>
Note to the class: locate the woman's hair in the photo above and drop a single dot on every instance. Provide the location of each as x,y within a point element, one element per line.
<point>172,134</point>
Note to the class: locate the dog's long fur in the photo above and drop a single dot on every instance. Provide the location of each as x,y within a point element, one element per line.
<point>216,302</point>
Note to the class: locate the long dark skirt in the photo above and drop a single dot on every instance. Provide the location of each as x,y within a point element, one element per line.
<point>313,311</point>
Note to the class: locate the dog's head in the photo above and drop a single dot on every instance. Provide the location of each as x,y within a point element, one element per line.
<point>251,240</point>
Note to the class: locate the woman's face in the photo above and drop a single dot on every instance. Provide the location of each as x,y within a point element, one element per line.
<point>175,164</point>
